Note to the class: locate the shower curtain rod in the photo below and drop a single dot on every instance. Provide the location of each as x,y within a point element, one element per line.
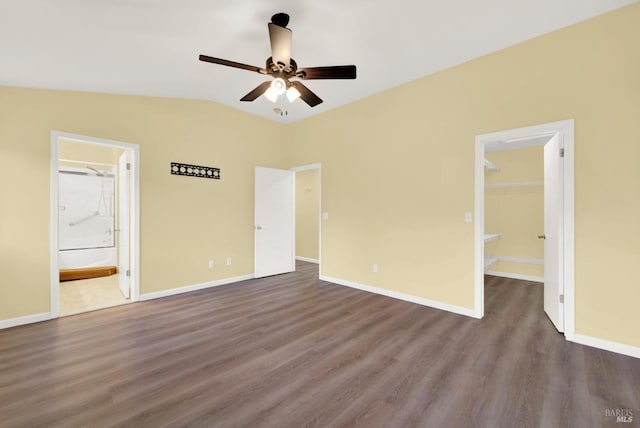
<point>86,163</point>
<point>92,174</point>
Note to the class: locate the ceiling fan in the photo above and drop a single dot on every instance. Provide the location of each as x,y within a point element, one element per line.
<point>282,68</point>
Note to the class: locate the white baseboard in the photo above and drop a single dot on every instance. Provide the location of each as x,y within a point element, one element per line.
<point>29,319</point>
<point>195,287</point>
<point>515,276</point>
<point>401,296</point>
<point>308,260</point>
<point>594,342</point>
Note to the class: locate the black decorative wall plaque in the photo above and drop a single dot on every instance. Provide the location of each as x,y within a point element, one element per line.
<point>195,170</point>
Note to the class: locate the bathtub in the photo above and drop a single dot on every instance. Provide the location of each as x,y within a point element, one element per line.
<point>92,257</point>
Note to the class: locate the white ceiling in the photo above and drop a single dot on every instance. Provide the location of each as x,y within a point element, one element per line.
<point>151,47</point>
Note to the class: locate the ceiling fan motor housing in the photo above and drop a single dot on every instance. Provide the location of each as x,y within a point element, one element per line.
<point>280,19</point>
<point>280,70</point>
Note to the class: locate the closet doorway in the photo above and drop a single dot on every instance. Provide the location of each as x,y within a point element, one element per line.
<point>553,145</point>
<point>94,223</point>
<point>308,198</point>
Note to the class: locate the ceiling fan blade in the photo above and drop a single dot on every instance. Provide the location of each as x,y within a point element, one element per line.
<point>280,44</point>
<point>334,72</point>
<point>233,64</point>
<point>306,94</point>
<point>261,89</point>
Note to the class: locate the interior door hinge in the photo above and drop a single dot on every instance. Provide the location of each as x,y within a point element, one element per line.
<point>128,272</point>
<point>129,165</point>
<point>562,298</point>
<point>561,153</point>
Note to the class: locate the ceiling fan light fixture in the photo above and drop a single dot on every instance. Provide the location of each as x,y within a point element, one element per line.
<point>271,94</point>
<point>279,85</point>
<point>292,94</point>
<point>281,67</point>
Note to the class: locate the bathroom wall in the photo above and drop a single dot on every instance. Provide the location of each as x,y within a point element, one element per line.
<point>87,240</point>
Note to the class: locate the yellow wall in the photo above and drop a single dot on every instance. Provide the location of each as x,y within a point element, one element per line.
<point>185,221</point>
<point>398,168</point>
<point>308,213</point>
<point>398,174</point>
<point>517,213</point>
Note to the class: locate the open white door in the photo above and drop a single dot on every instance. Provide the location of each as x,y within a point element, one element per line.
<point>274,221</point>
<point>553,234</point>
<point>124,260</point>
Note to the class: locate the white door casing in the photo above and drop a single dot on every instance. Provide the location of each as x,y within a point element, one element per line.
<point>124,260</point>
<point>134,214</point>
<point>553,234</point>
<point>274,228</point>
<point>564,129</point>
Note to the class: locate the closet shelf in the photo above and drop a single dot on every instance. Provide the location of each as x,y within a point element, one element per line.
<point>489,260</point>
<point>491,166</point>
<point>515,184</point>
<point>488,237</point>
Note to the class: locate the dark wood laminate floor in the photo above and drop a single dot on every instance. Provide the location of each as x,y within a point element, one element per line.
<point>293,351</point>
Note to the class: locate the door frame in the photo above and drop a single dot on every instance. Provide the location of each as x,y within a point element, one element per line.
<point>134,232</point>
<point>565,130</point>
<point>308,167</point>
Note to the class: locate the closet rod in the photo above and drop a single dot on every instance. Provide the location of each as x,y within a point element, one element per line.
<point>490,165</point>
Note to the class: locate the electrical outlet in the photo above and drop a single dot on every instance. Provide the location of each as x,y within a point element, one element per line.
<point>375,268</point>
<point>325,216</point>
<point>210,264</point>
<point>228,261</point>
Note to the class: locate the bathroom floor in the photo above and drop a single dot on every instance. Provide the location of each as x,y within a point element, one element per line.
<point>90,294</point>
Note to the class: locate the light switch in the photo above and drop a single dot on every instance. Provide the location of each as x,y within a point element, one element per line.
<point>325,216</point>
<point>468,217</point>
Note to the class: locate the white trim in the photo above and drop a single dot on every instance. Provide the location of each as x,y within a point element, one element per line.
<point>135,216</point>
<point>607,345</point>
<point>401,296</point>
<point>565,129</point>
<point>195,287</point>
<point>479,264</point>
<point>28,319</point>
<point>515,276</point>
<point>520,260</point>
<point>308,260</point>
<point>490,259</point>
<point>320,221</point>
<point>567,132</point>
<point>54,272</point>
<point>292,267</point>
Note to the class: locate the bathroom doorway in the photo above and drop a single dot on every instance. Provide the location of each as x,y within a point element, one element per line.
<point>94,224</point>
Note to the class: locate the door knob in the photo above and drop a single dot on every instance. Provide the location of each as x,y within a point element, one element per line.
<point>542,237</point>
<point>258,227</point>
